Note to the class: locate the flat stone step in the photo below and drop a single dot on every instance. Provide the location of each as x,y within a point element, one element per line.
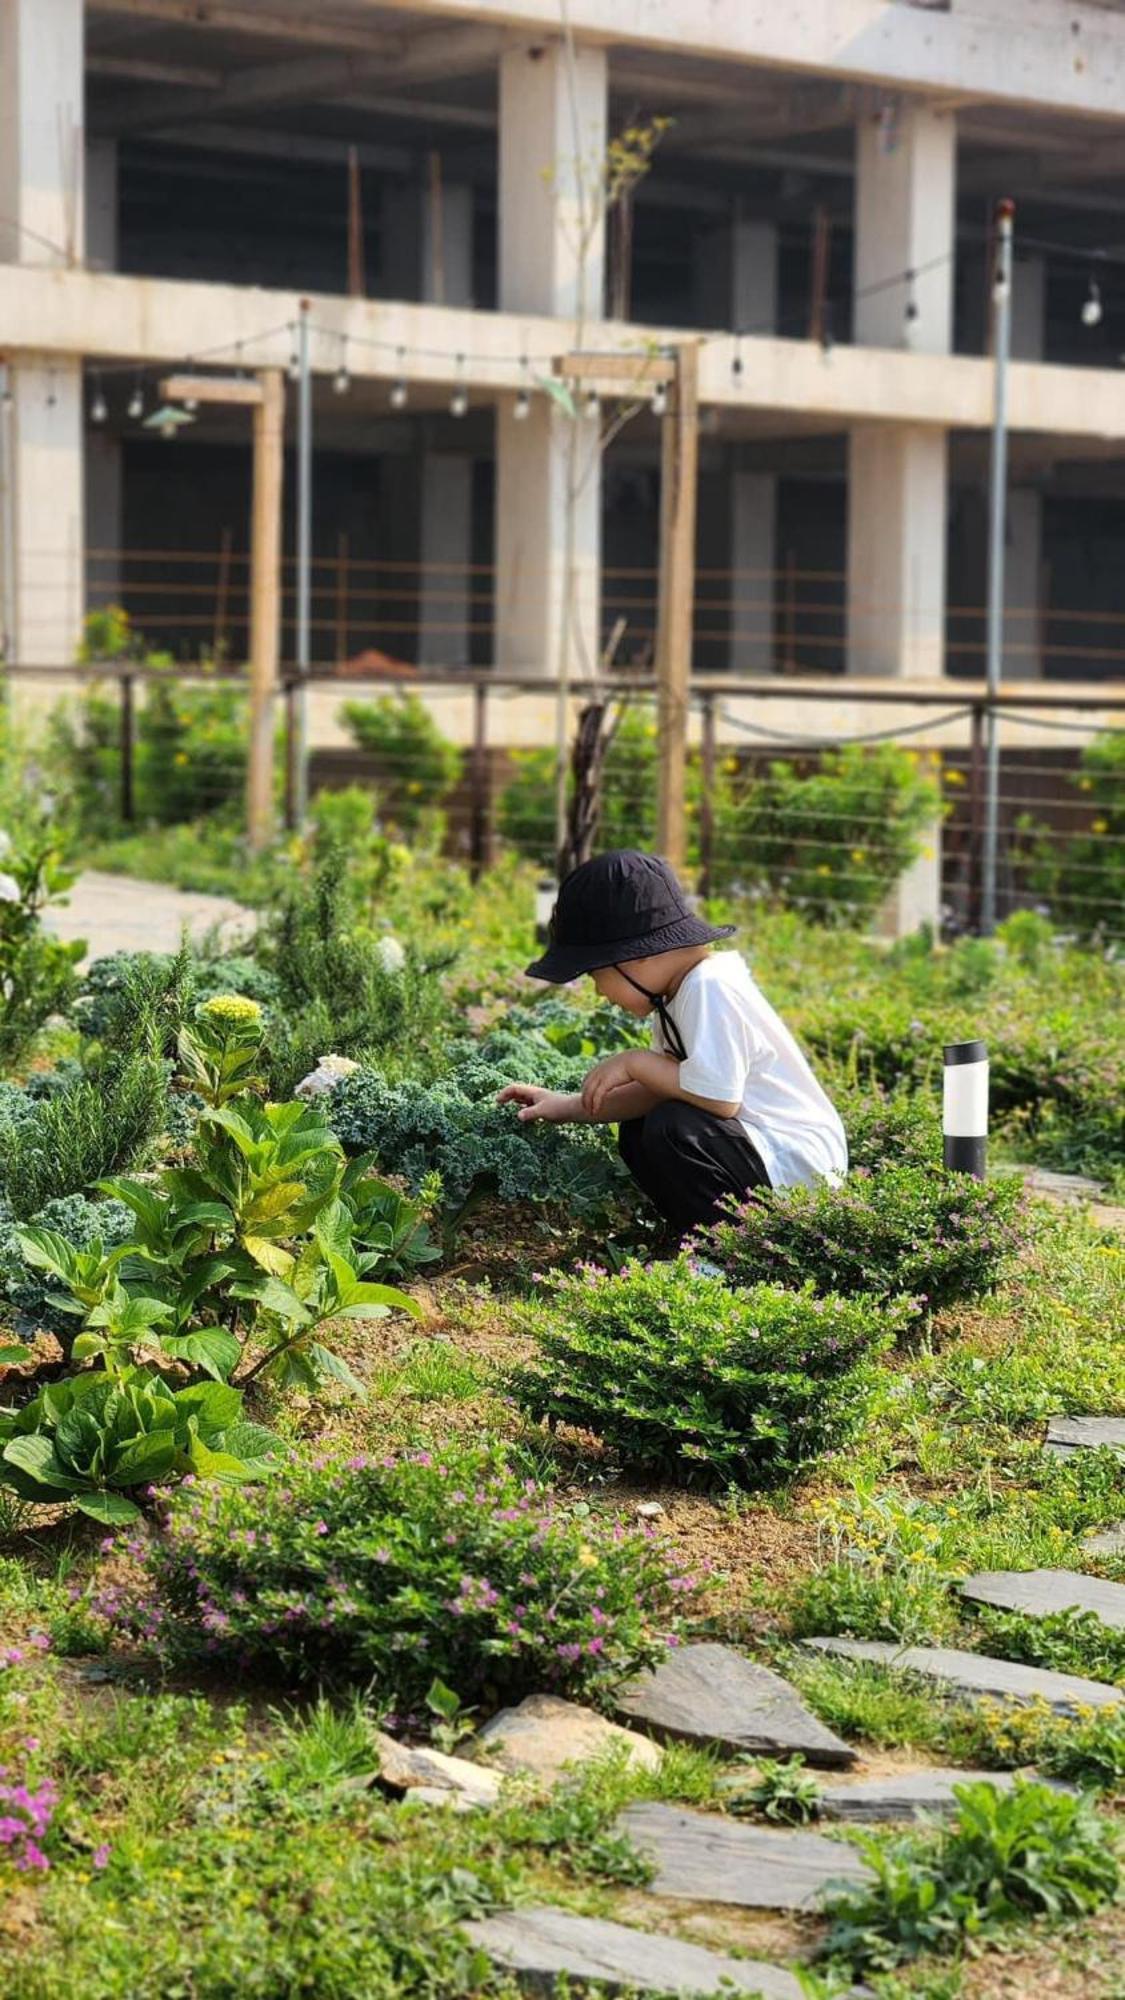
<point>714,1860</point>
<point>714,1695</point>
<point>1106,1541</point>
<point>1041,1592</point>
<point>540,1944</point>
<point>1067,1434</point>
<point>977,1673</point>
<point>910,1794</point>
<point>545,1734</point>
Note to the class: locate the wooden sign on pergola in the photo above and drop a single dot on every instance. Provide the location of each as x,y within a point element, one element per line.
<point>264,394</point>
<point>678,374</point>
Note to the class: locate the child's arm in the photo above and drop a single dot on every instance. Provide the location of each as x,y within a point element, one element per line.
<point>630,1100</point>
<point>643,1070</point>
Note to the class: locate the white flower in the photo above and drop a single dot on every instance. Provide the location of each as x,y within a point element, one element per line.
<point>9,889</point>
<point>325,1076</point>
<point>390,954</point>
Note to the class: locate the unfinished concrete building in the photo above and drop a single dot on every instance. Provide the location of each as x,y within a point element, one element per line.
<point>176,175</point>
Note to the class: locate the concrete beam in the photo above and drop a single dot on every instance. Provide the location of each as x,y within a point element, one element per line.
<point>272,26</point>
<point>1036,53</point>
<point>107,316</point>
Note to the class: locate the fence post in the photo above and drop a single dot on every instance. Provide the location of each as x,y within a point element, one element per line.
<point>679,475</point>
<point>128,808</point>
<point>478,783</point>
<point>974,886</point>
<point>707,797</point>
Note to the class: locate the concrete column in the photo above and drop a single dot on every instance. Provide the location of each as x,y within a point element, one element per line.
<point>553,136</point>
<point>447,246</point>
<point>102,232</point>
<point>896,549</point>
<point>753,562</point>
<point>735,274</point>
<point>445,548</point>
<point>904,220</point>
<point>42,206</point>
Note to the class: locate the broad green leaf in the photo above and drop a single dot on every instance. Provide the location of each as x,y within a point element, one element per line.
<point>274,1202</point>
<point>15,1356</point>
<point>111,1509</point>
<point>214,1404</point>
<point>336,1369</point>
<point>274,1296</point>
<point>36,1456</point>
<point>211,1348</point>
<point>145,1458</point>
<point>269,1255</point>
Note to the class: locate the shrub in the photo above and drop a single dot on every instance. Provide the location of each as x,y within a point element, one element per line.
<point>920,1232</point>
<point>1082,875</point>
<point>340,988</point>
<point>417,766</point>
<point>397,1569</point>
<point>454,1128</point>
<point>678,1372</point>
<point>128,987</point>
<point>29,1289</point>
<point>830,842</point>
<point>898,1128</point>
<point>95,1125</point>
<point>627,799</point>
<point>37,972</point>
<point>1003,1858</point>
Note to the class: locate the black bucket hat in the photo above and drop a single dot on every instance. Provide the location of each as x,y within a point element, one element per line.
<point>618,907</point>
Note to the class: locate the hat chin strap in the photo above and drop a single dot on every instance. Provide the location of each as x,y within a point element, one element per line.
<point>671,1033</point>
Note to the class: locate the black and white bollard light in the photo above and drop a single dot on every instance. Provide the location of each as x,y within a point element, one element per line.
<point>965,1107</point>
<point>545,894</point>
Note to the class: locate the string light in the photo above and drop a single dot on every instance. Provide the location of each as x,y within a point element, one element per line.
<point>591,407</point>
<point>659,400</point>
<point>99,409</point>
<point>400,395</point>
<point>736,363</point>
<point>294,369</point>
<point>910,312</point>
<point>137,400</point>
<point>1092,305</point>
<point>459,400</point>
<point>521,408</point>
<point>342,381</point>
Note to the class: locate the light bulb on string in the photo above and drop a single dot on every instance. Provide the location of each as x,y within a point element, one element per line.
<point>400,395</point>
<point>521,408</point>
<point>342,381</point>
<point>191,403</point>
<point>910,310</point>
<point>294,369</point>
<point>736,365</point>
<point>659,400</point>
<point>137,401</point>
<point>459,400</point>
<point>591,407</point>
<point>1092,305</point>
<point>99,409</point>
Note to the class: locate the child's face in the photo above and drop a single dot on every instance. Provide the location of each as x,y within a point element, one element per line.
<point>609,985</point>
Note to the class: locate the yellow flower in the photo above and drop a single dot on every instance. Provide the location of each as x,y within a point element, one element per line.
<point>231,1007</point>
<point>586,1557</point>
<point>824,869</point>
<point>730,765</point>
<point>859,854</point>
<point>180,757</point>
<point>954,777</point>
<point>1101,826</point>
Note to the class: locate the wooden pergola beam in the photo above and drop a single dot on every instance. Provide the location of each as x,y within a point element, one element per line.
<point>212,389</point>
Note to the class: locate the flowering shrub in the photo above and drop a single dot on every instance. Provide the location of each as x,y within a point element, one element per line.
<point>1082,876</point>
<point>37,971</point>
<point>416,766</point>
<point>397,1569</point>
<point>933,1236</point>
<point>677,1371</point>
<point>898,1128</point>
<point>25,1817</point>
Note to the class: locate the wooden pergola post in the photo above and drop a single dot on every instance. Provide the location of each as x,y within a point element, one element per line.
<point>265,396</point>
<point>679,466</point>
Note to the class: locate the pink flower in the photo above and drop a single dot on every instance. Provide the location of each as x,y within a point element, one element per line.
<point>321,1528</point>
<point>100,1855</point>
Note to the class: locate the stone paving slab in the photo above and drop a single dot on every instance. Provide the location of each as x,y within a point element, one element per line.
<point>1041,1592</point>
<point>908,1795</point>
<point>977,1673</point>
<point>714,1695</point>
<point>539,1944</point>
<point>118,913</point>
<point>545,1734</point>
<point>713,1860</point>
<point>1067,1434</point>
<point>1105,1541</point>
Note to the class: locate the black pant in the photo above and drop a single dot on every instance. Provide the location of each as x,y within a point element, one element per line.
<point>687,1161</point>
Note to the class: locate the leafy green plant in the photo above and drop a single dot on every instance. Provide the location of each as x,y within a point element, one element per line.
<point>1068,1642</point>
<point>677,1371</point>
<point>416,766</point>
<point>221,1050</point>
<point>1004,1857</point>
<point>1082,877</point>
<point>90,1227</point>
<point>148,996</point>
<point>89,1439</point>
<point>784,1792</point>
<point>896,1128</point>
<point>916,1232</point>
<point>95,1124</point>
<point>627,795</point>
<point>830,842</point>
<point>455,1129</point>
<point>37,972</point>
<point>397,1569</point>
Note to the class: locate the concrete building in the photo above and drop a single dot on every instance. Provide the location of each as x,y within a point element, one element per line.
<point>175,175</point>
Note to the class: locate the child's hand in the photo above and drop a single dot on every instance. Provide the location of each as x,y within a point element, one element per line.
<point>612,1074</point>
<point>535,1102</point>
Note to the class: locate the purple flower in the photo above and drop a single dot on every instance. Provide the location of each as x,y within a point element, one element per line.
<point>100,1855</point>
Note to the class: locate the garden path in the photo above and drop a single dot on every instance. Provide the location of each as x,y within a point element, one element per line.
<point>118,913</point>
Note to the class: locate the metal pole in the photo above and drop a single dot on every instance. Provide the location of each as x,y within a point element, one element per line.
<point>127,737</point>
<point>299,747</point>
<point>997,526</point>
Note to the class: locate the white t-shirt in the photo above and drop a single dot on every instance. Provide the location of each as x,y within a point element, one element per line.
<point>740,1051</point>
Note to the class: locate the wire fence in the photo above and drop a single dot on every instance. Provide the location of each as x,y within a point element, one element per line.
<point>822,818</point>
